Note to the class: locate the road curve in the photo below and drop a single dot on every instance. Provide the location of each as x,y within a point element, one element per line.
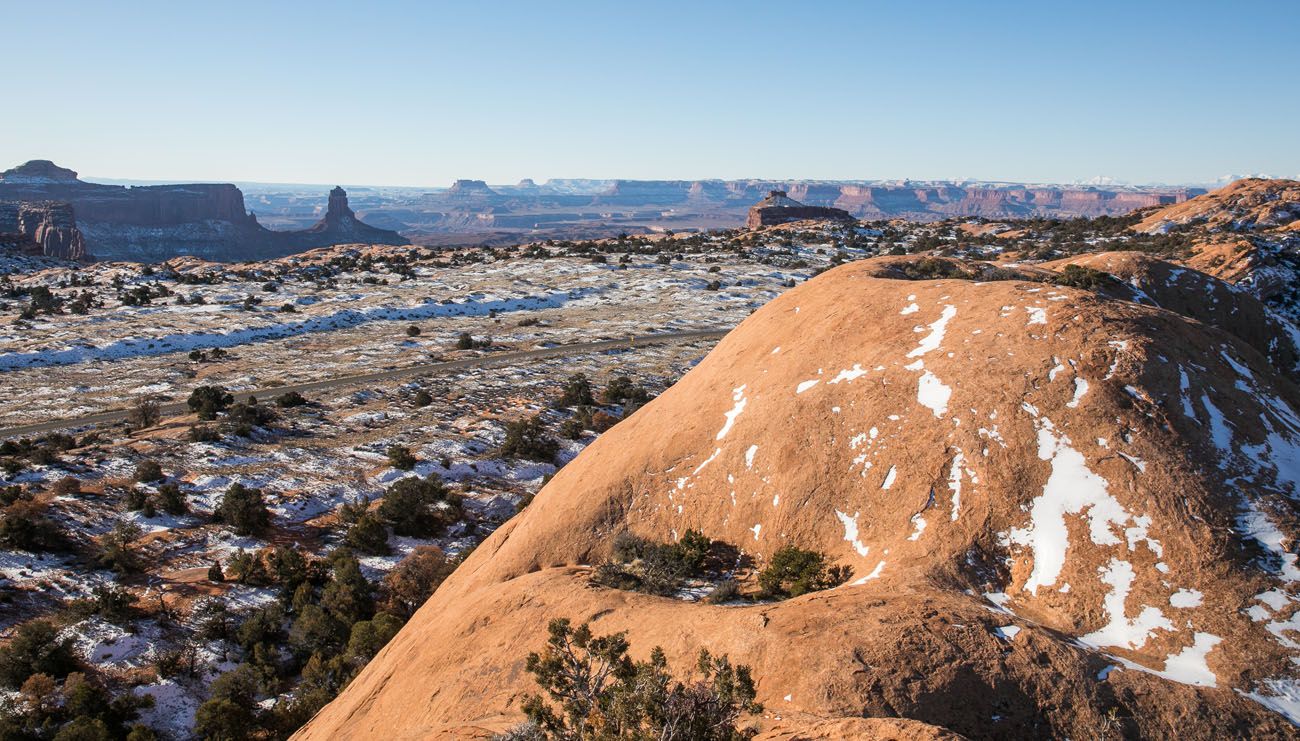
<point>419,369</point>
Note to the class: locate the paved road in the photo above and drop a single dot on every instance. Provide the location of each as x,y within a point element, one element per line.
<point>419,369</point>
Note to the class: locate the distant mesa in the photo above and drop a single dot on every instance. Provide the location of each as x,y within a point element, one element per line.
<point>38,172</point>
<point>471,188</point>
<point>779,208</point>
<point>156,222</point>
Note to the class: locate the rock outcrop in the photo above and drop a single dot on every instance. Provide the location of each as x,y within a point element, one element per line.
<point>1069,513</point>
<point>1251,204</point>
<point>38,172</point>
<point>340,225</point>
<point>157,222</point>
<point>778,208</point>
<point>44,228</point>
<point>1247,233</point>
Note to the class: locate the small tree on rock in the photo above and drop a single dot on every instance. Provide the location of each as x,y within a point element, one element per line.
<point>595,691</point>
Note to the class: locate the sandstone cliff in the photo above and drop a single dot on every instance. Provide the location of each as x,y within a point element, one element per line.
<point>42,228</point>
<point>157,222</point>
<point>1069,513</point>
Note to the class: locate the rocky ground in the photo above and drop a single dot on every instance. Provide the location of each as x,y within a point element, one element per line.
<point>126,581</point>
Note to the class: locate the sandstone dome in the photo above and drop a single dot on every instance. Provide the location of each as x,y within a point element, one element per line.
<point>1250,203</point>
<point>1069,512</point>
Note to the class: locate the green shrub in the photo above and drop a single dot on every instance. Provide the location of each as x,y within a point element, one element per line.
<point>116,547</point>
<point>241,418</point>
<point>794,571</point>
<point>621,390</point>
<point>247,567</point>
<point>147,471</point>
<point>527,438</point>
<point>35,649</point>
<point>571,428</point>
<point>171,500</point>
<point>368,535</point>
<point>577,392</point>
<point>348,596</point>
<point>595,691</point>
<point>244,510</point>
<point>401,457</point>
<point>1079,276</point>
<point>654,568</point>
<point>209,401</point>
<point>409,506</point>
<point>930,268</point>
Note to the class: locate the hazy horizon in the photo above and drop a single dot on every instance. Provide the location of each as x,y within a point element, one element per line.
<point>108,180</point>
<point>417,95</point>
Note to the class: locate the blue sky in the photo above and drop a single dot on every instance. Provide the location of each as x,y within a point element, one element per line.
<point>421,93</point>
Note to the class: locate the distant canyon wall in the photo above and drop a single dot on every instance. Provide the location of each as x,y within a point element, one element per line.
<point>41,228</point>
<point>157,222</point>
<point>904,200</point>
<point>472,205</point>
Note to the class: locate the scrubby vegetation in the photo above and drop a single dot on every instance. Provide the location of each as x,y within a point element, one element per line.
<point>244,510</point>
<point>593,690</point>
<point>656,568</point>
<point>209,401</point>
<point>697,567</point>
<point>419,507</point>
<point>528,438</point>
<point>794,571</point>
<point>1079,276</point>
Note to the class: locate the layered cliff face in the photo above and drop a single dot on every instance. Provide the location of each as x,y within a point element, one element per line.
<point>778,208</point>
<point>157,222</point>
<point>1066,510</point>
<point>936,202</point>
<point>916,201</point>
<point>42,228</point>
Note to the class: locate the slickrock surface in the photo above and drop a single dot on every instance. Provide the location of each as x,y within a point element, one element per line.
<point>1069,513</point>
<point>1247,233</point>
